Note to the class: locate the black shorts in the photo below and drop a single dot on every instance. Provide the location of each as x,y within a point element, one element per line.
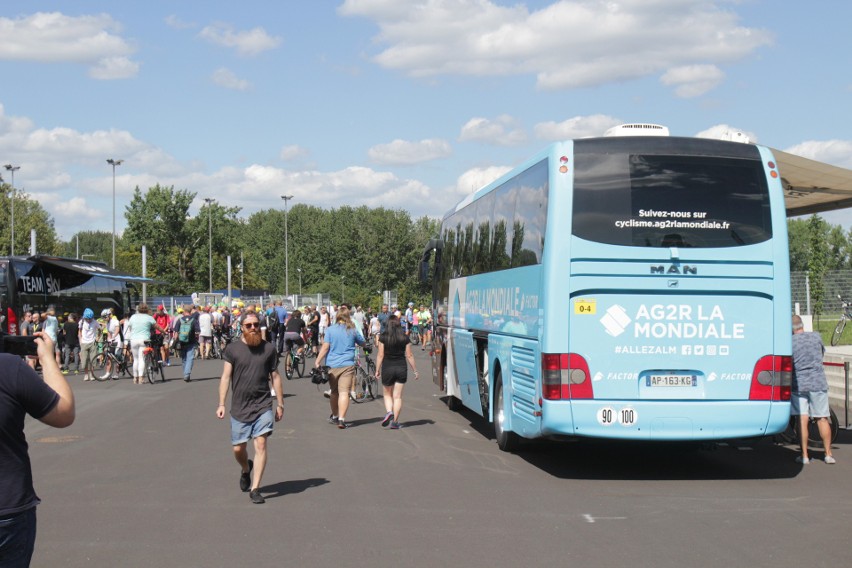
<point>394,374</point>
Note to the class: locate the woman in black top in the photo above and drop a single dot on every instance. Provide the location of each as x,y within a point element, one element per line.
<point>394,351</point>
<point>293,329</point>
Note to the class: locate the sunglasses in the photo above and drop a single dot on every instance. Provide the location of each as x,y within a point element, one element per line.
<point>251,325</point>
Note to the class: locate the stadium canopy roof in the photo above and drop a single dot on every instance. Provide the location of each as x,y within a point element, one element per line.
<point>811,186</point>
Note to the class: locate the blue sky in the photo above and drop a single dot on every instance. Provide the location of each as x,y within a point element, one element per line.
<point>398,103</point>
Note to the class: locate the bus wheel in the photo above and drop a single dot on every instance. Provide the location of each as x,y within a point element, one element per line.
<point>507,440</point>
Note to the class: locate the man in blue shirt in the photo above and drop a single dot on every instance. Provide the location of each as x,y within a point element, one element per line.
<point>281,312</point>
<point>810,389</point>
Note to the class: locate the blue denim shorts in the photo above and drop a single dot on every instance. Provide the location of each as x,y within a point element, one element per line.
<point>813,404</point>
<point>242,432</point>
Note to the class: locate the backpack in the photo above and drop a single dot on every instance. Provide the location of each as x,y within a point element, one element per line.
<point>185,329</point>
<point>272,322</point>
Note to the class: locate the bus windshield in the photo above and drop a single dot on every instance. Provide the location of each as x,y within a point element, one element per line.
<point>670,200</point>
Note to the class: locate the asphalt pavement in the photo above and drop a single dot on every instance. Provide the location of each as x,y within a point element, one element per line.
<point>146,477</point>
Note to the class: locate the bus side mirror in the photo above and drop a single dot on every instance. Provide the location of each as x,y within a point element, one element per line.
<point>424,271</point>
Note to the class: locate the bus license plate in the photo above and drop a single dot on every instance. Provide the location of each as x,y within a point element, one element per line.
<point>671,381</point>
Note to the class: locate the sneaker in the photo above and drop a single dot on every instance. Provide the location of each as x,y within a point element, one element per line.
<point>256,497</point>
<point>802,460</point>
<point>327,393</point>
<point>830,459</point>
<point>186,379</point>
<point>104,377</point>
<point>245,477</point>
<point>332,419</point>
<point>64,371</point>
<point>168,363</point>
<point>342,424</point>
<point>395,426</point>
<point>387,419</point>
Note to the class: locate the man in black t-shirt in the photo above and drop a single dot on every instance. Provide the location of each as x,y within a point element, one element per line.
<point>250,364</point>
<point>51,401</point>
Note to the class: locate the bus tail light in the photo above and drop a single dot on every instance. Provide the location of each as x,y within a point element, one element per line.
<point>565,376</point>
<point>12,320</point>
<point>772,378</point>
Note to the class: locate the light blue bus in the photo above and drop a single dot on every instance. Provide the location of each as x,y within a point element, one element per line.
<point>627,287</point>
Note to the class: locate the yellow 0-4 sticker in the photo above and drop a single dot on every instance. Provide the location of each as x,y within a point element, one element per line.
<point>582,306</point>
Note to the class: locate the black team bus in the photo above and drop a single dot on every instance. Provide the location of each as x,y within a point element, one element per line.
<point>36,282</point>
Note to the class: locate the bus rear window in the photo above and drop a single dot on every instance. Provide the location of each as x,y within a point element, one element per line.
<point>670,200</point>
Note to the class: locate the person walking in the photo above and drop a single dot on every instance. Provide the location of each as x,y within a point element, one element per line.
<point>339,348</point>
<point>164,321</point>
<point>88,332</point>
<point>139,329</point>
<point>71,349</point>
<point>250,362</point>
<point>187,329</point>
<point>48,399</point>
<point>810,389</point>
<point>394,351</point>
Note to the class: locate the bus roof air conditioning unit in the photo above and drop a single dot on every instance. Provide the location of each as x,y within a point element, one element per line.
<point>637,130</point>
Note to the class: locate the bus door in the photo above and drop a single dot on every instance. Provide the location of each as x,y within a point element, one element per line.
<point>464,357</point>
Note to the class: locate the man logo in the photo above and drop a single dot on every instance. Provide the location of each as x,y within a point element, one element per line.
<point>674,269</point>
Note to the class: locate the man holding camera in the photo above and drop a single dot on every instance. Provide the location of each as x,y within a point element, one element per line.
<point>51,401</point>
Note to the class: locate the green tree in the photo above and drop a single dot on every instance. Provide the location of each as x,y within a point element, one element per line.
<point>818,260</point>
<point>159,220</point>
<point>29,214</point>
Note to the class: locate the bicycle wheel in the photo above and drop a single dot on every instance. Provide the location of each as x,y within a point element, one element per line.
<point>414,336</point>
<point>361,382</point>
<point>838,331</point>
<point>814,439</point>
<point>149,368</point>
<point>160,371</point>
<point>300,366</point>
<point>288,366</point>
<point>374,385</point>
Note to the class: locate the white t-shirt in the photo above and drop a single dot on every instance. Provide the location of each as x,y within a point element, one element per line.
<point>89,330</point>
<point>205,323</point>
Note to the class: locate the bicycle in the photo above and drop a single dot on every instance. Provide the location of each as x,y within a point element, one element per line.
<point>117,362</point>
<point>153,364</point>
<point>366,384</point>
<point>791,434</point>
<point>845,316</point>
<point>294,362</point>
<point>414,336</point>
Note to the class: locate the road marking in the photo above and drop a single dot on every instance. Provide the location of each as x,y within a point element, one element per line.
<point>591,519</point>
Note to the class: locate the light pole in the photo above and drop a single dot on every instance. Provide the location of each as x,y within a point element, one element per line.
<point>113,163</point>
<point>13,169</point>
<point>286,198</point>
<point>208,201</point>
<point>299,270</point>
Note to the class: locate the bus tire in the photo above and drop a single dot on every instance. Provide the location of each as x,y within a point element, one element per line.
<point>507,440</point>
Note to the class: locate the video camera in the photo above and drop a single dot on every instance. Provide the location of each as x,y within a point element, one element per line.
<point>20,345</point>
<point>319,375</point>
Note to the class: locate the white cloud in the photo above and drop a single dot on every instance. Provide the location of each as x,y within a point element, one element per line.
<point>725,132</point>
<point>250,42</point>
<point>692,80</point>
<point>477,178</point>
<point>56,38</point>
<point>114,68</point>
<point>568,44</point>
<point>502,131</point>
<point>576,127</point>
<point>175,22</point>
<point>293,152</point>
<point>402,152</point>
<point>226,78</point>
<point>834,152</point>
